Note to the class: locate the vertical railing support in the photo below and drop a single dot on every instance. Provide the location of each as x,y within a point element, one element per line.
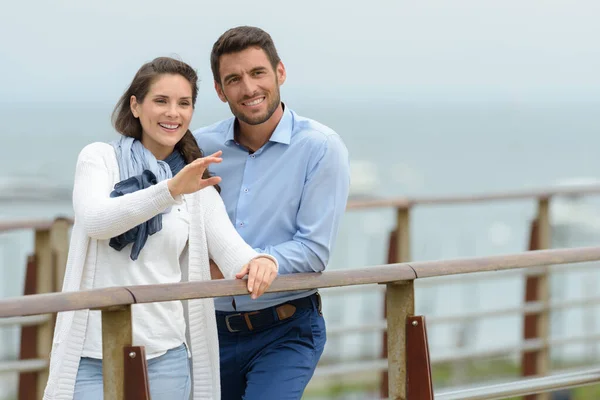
<point>59,240</point>
<point>537,326</point>
<point>44,284</point>
<point>419,383</point>
<point>45,272</point>
<point>400,300</point>
<point>399,251</point>
<point>28,387</point>
<point>116,336</point>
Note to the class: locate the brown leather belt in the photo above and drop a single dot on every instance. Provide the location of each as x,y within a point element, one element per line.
<point>261,319</point>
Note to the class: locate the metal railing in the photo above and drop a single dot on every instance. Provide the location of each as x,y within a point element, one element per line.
<point>50,255</point>
<point>537,292</point>
<point>399,278</point>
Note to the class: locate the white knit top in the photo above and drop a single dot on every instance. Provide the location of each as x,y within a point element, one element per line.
<point>156,326</point>
<point>98,217</point>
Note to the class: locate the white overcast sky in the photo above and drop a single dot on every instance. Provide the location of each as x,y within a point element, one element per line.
<point>529,50</point>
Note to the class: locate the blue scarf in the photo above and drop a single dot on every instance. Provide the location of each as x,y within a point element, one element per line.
<point>139,169</point>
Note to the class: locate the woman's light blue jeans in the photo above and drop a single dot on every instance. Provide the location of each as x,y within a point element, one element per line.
<point>169,377</point>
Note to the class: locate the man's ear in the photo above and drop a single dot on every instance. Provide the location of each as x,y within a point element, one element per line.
<point>281,74</point>
<point>220,93</point>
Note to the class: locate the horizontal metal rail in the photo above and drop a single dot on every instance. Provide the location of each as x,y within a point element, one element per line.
<point>23,366</point>
<point>100,298</point>
<point>524,386</point>
<point>527,309</point>
<point>41,224</point>
<point>25,321</point>
<point>381,364</point>
<point>507,274</point>
<point>401,202</point>
<point>327,371</point>
<point>25,224</point>
<point>348,290</point>
<point>462,279</point>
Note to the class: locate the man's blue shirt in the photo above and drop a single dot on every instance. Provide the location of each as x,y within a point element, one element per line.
<point>286,199</point>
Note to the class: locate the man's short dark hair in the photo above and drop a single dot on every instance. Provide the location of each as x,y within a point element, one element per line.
<point>239,39</point>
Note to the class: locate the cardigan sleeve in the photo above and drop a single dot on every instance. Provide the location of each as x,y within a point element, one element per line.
<point>225,245</point>
<point>104,217</point>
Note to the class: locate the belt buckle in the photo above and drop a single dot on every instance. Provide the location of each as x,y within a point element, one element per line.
<point>229,328</point>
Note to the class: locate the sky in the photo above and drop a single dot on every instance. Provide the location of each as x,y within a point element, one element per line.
<point>418,50</point>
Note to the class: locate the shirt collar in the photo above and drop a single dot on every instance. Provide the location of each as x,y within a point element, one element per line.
<point>229,135</point>
<point>281,134</point>
<point>283,131</point>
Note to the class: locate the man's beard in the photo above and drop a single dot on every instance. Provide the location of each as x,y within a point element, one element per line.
<point>258,119</point>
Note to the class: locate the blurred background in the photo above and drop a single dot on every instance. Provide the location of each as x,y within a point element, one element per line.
<point>431,97</point>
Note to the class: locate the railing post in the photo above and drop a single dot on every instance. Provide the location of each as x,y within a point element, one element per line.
<point>45,272</point>
<point>28,387</point>
<point>116,335</point>
<point>59,239</point>
<point>44,284</point>
<point>400,300</point>
<point>399,251</point>
<point>537,326</point>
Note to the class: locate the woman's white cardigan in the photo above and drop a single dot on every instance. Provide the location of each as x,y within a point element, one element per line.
<point>99,217</point>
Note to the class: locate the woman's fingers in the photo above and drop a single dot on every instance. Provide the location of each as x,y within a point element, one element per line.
<point>205,162</point>
<point>213,180</point>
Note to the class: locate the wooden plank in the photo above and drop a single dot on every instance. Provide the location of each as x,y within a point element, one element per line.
<point>398,251</point>
<point>400,305</point>
<point>44,284</point>
<point>470,198</point>
<point>28,224</point>
<point>101,298</point>
<point>59,240</point>
<point>536,326</point>
<point>116,335</point>
<point>68,301</point>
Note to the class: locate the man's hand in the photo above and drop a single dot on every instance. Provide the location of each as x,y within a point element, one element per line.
<point>261,272</point>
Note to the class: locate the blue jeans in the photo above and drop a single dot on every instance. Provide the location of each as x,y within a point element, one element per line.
<point>168,376</point>
<point>273,362</point>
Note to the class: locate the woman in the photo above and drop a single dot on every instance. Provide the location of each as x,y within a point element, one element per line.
<point>150,189</point>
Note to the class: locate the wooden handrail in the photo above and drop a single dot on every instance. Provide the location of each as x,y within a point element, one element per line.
<point>397,202</point>
<point>102,298</point>
<point>35,224</point>
<point>405,202</point>
<point>6,226</point>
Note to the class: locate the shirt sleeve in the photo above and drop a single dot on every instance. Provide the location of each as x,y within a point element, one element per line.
<point>104,217</point>
<point>225,245</point>
<point>321,208</point>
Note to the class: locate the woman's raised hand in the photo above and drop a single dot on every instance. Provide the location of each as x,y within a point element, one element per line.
<point>189,179</point>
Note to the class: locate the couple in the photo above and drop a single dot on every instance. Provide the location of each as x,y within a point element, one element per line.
<point>276,211</point>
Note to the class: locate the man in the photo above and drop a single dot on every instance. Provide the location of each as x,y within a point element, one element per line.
<point>285,182</point>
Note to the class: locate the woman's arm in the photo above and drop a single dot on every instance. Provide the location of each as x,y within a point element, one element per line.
<point>104,217</point>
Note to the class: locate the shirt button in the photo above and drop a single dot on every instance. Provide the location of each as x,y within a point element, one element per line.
<point>252,156</point>
<point>246,190</point>
<point>241,224</point>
